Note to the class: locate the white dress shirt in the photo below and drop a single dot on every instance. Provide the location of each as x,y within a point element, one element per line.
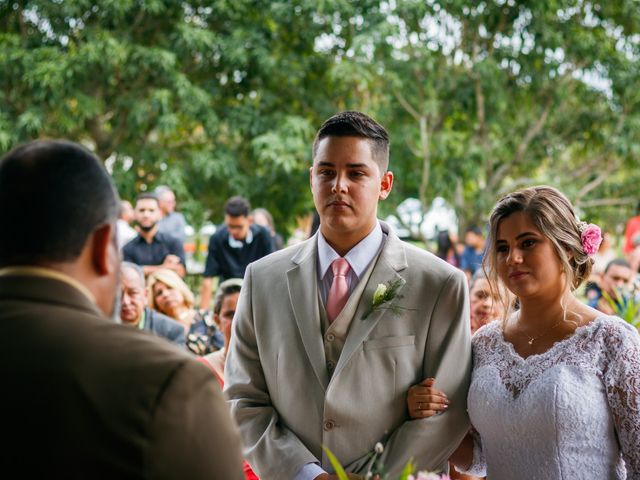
<point>359,258</point>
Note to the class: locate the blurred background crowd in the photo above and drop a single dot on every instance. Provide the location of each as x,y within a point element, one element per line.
<point>171,272</point>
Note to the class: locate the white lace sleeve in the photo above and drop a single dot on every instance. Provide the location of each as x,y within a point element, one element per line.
<point>622,380</point>
<point>478,467</point>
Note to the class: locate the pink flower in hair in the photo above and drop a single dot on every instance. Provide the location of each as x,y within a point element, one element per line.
<point>591,238</point>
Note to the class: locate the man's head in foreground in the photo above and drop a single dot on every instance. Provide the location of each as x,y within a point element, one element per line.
<point>62,207</point>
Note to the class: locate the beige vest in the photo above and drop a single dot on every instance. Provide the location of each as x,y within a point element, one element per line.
<point>336,333</point>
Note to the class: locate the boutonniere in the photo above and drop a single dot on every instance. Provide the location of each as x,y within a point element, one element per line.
<point>383,296</point>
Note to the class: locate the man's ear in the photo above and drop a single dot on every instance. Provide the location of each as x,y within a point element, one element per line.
<point>102,248</point>
<point>386,182</point>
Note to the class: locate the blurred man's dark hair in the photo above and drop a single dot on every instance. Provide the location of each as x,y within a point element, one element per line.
<point>53,195</point>
<point>474,229</point>
<point>226,288</point>
<point>147,196</point>
<point>617,262</point>
<point>237,207</point>
<point>357,124</point>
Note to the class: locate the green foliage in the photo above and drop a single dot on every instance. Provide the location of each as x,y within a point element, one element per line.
<point>335,463</point>
<point>408,469</point>
<point>217,98</point>
<point>625,305</point>
<point>375,470</point>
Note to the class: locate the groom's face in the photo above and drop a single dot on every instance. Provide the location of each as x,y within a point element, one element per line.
<point>347,184</point>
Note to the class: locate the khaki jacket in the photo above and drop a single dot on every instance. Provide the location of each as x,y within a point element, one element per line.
<point>288,406</point>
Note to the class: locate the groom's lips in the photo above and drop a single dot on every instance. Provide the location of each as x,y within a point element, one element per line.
<point>339,204</point>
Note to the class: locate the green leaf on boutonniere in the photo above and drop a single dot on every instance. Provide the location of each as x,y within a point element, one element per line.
<point>383,295</point>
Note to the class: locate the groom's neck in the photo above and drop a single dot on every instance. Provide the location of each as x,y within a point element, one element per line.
<point>342,242</point>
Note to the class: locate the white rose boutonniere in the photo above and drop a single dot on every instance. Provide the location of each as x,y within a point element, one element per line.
<point>382,297</point>
<point>378,295</point>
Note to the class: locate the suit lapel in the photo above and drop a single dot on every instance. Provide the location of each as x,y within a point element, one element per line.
<point>303,294</point>
<point>391,261</point>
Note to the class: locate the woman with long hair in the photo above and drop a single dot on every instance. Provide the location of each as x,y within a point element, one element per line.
<point>555,389</point>
<point>169,294</point>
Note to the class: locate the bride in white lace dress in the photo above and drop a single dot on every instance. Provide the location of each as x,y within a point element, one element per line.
<point>555,390</point>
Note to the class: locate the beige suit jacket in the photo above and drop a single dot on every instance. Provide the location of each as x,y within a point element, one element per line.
<point>84,397</point>
<point>286,404</point>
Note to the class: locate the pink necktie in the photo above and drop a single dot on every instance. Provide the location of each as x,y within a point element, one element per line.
<point>339,291</point>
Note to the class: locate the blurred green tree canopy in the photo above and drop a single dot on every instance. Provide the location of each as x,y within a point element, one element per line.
<point>216,98</point>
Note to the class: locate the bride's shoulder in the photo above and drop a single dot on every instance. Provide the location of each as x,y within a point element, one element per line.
<point>608,337</point>
<point>613,331</point>
<point>488,332</point>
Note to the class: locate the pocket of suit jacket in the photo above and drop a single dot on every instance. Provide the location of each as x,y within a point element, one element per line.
<point>389,342</point>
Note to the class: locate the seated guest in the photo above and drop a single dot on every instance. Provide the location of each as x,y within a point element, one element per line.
<point>485,302</point>
<point>224,308</point>
<point>135,312</point>
<point>617,275</point>
<point>152,249</point>
<point>169,295</point>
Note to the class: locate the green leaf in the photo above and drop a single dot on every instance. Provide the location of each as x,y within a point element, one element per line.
<point>408,469</point>
<point>335,463</point>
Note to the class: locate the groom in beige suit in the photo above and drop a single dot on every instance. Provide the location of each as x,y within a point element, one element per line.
<point>317,360</point>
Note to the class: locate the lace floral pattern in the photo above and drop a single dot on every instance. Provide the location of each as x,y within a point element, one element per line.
<point>583,394</point>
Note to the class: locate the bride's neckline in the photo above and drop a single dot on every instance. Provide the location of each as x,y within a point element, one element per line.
<point>578,332</point>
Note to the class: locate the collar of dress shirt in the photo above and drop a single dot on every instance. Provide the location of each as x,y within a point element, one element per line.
<point>48,273</point>
<point>359,257</point>
<point>233,243</point>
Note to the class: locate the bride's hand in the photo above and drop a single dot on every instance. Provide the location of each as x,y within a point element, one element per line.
<point>424,400</point>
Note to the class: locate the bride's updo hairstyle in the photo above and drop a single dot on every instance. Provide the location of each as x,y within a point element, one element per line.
<point>552,213</point>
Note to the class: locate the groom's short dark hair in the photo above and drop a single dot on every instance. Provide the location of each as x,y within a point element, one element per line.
<point>357,124</point>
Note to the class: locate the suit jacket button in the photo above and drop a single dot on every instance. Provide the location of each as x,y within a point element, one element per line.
<point>330,337</point>
<point>328,425</point>
<point>330,365</point>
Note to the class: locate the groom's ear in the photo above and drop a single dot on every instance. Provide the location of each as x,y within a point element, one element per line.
<point>386,182</point>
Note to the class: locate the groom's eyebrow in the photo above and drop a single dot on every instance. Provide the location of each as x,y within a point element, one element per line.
<point>349,165</point>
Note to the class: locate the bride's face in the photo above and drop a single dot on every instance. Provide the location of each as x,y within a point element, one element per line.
<point>527,262</point>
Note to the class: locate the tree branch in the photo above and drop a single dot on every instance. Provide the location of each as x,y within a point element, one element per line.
<point>596,182</point>
<point>606,202</point>
<point>533,131</point>
<point>407,106</point>
<point>426,161</point>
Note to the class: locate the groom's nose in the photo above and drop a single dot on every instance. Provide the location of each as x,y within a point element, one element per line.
<point>340,183</point>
